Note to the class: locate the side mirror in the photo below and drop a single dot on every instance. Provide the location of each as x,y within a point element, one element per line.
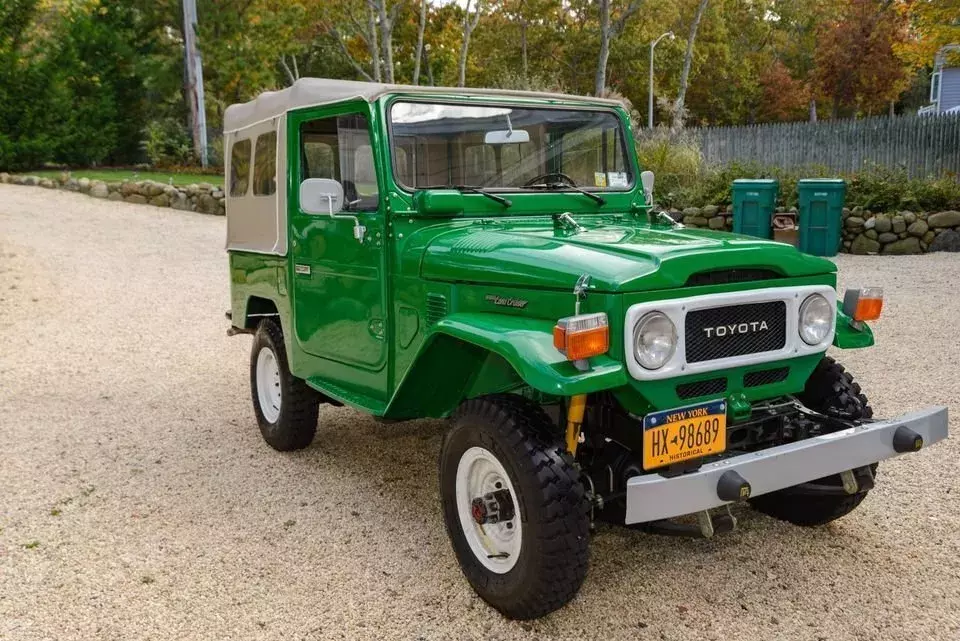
<point>506,136</point>
<point>646,179</point>
<point>321,196</point>
<point>438,202</point>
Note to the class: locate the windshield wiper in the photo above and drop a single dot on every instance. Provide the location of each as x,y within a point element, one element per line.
<point>477,190</point>
<point>554,186</point>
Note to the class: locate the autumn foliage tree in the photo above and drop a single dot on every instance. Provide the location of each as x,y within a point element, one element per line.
<point>858,69</point>
<point>782,97</point>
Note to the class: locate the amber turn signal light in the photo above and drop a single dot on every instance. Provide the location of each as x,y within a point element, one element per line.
<point>583,336</point>
<point>863,304</point>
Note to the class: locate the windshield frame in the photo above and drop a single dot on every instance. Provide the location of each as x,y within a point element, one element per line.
<point>496,101</point>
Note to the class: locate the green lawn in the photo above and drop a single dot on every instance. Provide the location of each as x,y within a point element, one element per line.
<point>117,175</point>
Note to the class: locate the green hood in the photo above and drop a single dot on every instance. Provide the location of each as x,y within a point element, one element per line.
<point>619,258</point>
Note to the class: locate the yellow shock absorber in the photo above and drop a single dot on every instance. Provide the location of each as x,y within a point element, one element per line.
<point>578,404</point>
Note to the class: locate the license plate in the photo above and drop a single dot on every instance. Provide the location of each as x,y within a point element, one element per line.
<point>684,433</point>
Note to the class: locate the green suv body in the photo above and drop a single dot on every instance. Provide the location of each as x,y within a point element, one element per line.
<point>496,257</point>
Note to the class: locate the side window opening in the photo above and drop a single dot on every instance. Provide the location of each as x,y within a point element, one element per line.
<point>239,168</point>
<point>339,148</point>
<point>265,165</point>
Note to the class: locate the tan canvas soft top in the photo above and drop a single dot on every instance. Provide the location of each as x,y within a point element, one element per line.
<point>308,92</point>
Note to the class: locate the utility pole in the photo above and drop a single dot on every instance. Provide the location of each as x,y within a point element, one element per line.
<point>194,67</point>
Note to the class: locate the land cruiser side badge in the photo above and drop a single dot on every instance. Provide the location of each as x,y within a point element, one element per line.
<point>302,269</point>
<point>504,301</point>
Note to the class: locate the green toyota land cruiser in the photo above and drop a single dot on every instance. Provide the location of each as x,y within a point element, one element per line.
<point>496,257</point>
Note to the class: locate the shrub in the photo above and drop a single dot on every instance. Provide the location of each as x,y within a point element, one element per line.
<point>884,189</point>
<point>677,163</point>
<point>683,180</point>
<point>166,143</point>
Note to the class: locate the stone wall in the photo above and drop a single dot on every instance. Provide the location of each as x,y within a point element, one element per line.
<point>863,232</point>
<point>204,197</point>
<point>903,232</point>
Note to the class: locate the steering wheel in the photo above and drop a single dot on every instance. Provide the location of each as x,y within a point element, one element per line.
<point>544,178</point>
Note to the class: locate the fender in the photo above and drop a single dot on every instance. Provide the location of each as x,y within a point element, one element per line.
<point>849,337</point>
<point>470,344</point>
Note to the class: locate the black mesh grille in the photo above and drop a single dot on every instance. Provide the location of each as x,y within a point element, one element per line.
<point>765,377</point>
<point>724,276</point>
<point>702,388</point>
<point>735,330</point>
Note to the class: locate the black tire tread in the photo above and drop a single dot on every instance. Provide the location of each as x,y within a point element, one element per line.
<point>297,424</point>
<point>830,390</point>
<point>561,511</point>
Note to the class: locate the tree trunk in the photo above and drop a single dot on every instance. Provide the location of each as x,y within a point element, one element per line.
<point>420,29</point>
<point>523,54</point>
<point>426,60</point>
<point>372,44</point>
<point>386,38</point>
<point>600,77</point>
<point>292,74</point>
<point>468,27</point>
<point>678,109</point>
<point>813,110</point>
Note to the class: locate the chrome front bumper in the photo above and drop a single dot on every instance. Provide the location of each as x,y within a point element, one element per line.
<point>652,497</point>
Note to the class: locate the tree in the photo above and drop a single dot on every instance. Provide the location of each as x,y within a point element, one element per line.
<point>609,28</point>
<point>678,108</point>
<point>421,27</point>
<point>386,17</point>
<point>469,24</point>
<point>858,68</point>
<point>353,34</point>
<point>782,97</point>
<point>933,24</point>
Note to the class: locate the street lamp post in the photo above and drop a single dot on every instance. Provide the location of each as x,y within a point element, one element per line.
<point>650,95</point>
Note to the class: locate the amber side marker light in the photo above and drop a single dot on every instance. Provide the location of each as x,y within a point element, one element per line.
<point>583,336</point>
<point>863,304</point>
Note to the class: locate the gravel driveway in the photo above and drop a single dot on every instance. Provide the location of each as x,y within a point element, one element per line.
<point>137,500</point>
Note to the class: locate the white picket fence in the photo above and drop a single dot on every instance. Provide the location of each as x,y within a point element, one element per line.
<point>923,146</point>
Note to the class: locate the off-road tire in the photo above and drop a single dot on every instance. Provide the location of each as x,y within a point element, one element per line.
<point>830,390</point>
<point>296,424</point>
<point>553,509</point>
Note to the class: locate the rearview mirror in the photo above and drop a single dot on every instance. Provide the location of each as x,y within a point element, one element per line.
<point>506,136</point>
<point>646,179</point>
<point>321,196</point>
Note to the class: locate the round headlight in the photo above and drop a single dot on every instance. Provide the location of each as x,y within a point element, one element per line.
<point>817,317</point>
<point>654,340</point>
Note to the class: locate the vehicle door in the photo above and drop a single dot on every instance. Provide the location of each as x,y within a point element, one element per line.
<point>338,279</point>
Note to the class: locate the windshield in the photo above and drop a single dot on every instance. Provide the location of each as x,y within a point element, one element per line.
<point>512,148</point>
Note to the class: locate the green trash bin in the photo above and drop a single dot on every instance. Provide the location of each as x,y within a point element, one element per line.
<point>753,205</point>
<point>821,209</point>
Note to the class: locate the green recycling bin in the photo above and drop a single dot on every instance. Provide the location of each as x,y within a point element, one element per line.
<point>821,209</point>
<point>753,205</point>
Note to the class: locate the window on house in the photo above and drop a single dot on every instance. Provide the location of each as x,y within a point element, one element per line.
<point>265,165</point>
<point>239,168</point>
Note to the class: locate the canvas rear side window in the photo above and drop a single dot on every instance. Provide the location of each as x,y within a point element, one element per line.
<point>265,165</point>
<point>239,168</point>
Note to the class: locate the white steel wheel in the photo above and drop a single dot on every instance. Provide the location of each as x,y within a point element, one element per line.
<point>488,510</point>
<point>268,384</point>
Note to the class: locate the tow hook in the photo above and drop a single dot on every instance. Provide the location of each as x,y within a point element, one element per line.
<point>707,525</point>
